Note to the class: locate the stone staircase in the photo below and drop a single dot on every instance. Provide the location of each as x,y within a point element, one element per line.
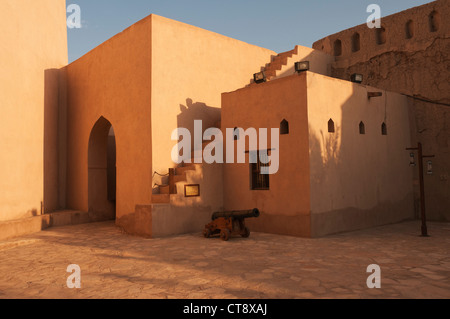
<point>284,63</point>
<point>179,175</point>
<point>277,63</point>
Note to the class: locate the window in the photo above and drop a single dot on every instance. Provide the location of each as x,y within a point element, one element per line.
<point>259,181</point>
<point>409,29</point>
<point>284,127</point>
<point>384,129</point>
<point>331,128</point>
<point>337,47</point>
<point>362,128</point>
<point>381,35</point>
<point>356,42</point>
<point>434,21</point>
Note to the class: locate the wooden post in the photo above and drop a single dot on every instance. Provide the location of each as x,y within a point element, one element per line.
<point>422,188</point>
<point>422,193</point>
<point>172,189</point>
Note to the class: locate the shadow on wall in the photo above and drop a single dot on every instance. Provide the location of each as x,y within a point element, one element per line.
<point>358,177</point>
<point>53,110</point>
<point>210,116</point>
<point>189,112</point>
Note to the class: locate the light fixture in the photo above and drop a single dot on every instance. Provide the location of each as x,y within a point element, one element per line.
<point>357,78</point>
<point>430,168</point>
<point>301,66</point>
<point>259,77</point>
<point>412,161</point>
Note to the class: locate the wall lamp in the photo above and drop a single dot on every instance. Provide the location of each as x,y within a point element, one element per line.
<point>301,66</point>
<point>357,78</point>
<point>259,77</point>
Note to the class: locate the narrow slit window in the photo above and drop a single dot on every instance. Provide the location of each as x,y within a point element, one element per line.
<point>434,21</point>
<point>284,127</point>
<point>362,128</point>
<point>356,42</point>
<point>409,29</point>
<point>337,48</point>
<point>331,128</point>
<point>381,35</point>
<point>384,129</point>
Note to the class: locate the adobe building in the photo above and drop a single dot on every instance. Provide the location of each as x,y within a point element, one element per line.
<point>408,55</point>
<point>32,50</point>
<point>105,125</point>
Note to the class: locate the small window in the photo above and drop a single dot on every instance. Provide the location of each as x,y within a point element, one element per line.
<point>356,42</point>
<point>337,47</point>
<point>409,29</point>
<point>381,35</point>
<point>236,134</point>
<point>259,181</point>
<point>331,128</point>
<point>362,128</point>
<point>383,129</point>
<point>434,21</point>
<point>284,127</point>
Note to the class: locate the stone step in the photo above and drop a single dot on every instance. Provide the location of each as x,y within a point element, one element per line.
<point>164,189</point>
<point>160,198</point>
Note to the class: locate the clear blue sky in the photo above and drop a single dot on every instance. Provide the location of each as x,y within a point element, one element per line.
<point>276,25</point>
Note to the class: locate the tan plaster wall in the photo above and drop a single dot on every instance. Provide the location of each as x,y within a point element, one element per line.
<point>430,125</point>
<point>357,181</point>
<point>419,67</point>
<point>190,215</point>
<point>113,81</point>
<point>33,47</point>
<point>285,208</point>
<point>191,67</point>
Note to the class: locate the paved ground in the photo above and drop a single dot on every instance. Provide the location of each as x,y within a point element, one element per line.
<point>116,265</point>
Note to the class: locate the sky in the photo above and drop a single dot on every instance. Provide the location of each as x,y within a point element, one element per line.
<point>276,25</point>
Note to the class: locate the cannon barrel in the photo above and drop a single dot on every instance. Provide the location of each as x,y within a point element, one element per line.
<point>237,214</point>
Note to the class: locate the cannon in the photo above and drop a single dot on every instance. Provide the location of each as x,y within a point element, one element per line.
<point>227,223</point>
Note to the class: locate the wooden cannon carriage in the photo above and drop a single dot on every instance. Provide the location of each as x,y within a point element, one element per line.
<point>228,223</point>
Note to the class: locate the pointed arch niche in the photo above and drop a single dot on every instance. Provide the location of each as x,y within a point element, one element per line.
<point>102,171</point>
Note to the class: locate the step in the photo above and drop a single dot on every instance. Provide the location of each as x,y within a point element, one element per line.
<point>164,189</point>
<point>160,198</point>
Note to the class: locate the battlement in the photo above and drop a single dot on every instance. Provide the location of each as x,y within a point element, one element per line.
<point>409,30</point>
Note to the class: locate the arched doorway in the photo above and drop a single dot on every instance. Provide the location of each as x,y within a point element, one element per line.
<point>102,171</point>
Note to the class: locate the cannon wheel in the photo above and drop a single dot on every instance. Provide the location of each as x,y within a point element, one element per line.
<point>225,234</point>
<point>246,232</point>
<point>207,233</point>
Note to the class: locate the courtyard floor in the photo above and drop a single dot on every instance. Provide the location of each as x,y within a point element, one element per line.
<point>264,266</point>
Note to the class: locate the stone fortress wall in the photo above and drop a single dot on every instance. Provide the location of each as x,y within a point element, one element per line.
<point>409,54</point>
